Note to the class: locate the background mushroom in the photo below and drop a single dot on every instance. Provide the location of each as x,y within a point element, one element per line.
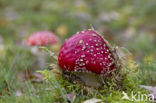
<point>42,38</point>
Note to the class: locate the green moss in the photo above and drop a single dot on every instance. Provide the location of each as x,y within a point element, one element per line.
<point>112,92</point>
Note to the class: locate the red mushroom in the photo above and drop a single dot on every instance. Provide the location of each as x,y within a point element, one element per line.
<point>42,38</point>
<point>86,53</point>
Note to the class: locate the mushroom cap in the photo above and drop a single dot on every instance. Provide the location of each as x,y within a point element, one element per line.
<point>42,38</point>
<point>88,52</point>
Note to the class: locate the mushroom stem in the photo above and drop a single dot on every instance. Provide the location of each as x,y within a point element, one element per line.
<point>41,57</point>
<point>90,79</point>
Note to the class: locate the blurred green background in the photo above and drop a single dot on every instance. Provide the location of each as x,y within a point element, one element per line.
<point>127,23</point>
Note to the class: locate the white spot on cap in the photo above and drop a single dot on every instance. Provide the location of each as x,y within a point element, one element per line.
<point>82,56</point>
<point>83,48</point>
<point>87,62</point>
<point>75,52</point>
<point>86,43</point>
<point>91,50</point>
<point>108,56</point>
<point>81,41</point>
<point>104,45</point>
<point>110,64</point>
<point>81,60</point>
<point>94,34</point>
<point>83,64</point>
<point>97,48</point>
<point>80,64</point>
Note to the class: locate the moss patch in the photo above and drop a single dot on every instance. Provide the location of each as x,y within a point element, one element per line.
<point>108,93</point>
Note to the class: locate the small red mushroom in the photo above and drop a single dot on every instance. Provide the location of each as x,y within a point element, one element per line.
<point>42,38</point>
<point>86,53</point>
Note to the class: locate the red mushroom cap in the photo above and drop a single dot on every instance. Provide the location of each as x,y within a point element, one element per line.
<point>42,38</point>
<point>86,51</point>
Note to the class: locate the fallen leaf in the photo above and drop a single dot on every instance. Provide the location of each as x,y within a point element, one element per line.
<point>34,77</point>
<point>71,97</point>
<point>37,78</point>
<point>18,93</point>
<point>93,100</point>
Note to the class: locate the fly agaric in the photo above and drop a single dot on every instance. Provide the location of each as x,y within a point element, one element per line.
<point>41,38</point>
<point>87,55</point>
